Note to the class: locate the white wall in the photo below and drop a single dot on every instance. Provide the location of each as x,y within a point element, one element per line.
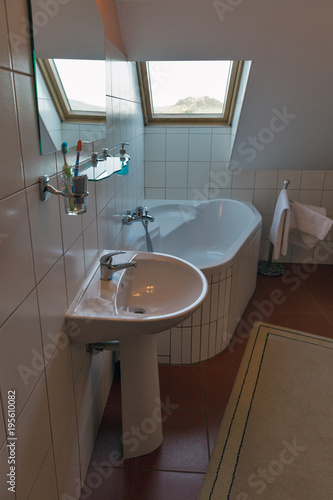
<point>45,256</point>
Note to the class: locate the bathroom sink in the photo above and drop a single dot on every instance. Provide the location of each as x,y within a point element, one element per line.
<point>161,292</point>
<point>157,294</point>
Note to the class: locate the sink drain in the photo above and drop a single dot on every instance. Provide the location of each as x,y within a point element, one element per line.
<point>139,310</point>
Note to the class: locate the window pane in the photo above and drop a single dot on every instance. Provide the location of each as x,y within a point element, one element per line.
<point>78,77</point>
<point>188,87</point>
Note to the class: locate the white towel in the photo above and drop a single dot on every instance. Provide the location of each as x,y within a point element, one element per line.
<point>308,225</point>
<point>278,234</point>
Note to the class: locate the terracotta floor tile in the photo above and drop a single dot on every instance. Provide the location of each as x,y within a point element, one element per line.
<point>184,446</point>
<point>268,283</point>
<point>214,420</point>
<point>108,484</point>
<point>264,283</point>
<point>161,485</point>
<point>230,357</point>
<point>317,324</point>
<point>218,383</point>
<point>259,310</point>
<point>320,278</point>
<point>298,301</point>
<point>324,299</point>
<point>183,386</point>
<point>330,317</point>
<point>292,279</point>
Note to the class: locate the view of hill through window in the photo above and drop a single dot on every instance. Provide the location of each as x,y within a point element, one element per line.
<point>188,87</point>
<point>90,74</point>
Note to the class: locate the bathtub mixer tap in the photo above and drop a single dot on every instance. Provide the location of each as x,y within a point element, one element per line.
<point>138,214</point>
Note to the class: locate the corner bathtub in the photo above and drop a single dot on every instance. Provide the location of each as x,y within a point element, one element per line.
<point>220,237</point>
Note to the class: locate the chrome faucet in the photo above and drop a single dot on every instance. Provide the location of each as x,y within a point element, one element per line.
<point>107,269</point>
<point>138,214</point>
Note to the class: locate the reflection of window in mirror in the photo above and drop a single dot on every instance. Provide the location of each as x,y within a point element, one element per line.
<point>77,88</point>
<point>71,97</point>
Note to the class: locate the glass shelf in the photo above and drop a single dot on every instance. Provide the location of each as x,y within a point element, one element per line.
<point>103,168</point>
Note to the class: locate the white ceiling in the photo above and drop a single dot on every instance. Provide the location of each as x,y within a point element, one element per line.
<point>290,43</point>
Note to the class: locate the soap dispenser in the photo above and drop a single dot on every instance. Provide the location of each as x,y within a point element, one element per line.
<point>124,158</point>
<point>123,154</point>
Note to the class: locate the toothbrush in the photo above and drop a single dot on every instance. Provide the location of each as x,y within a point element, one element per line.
<point>68,172</point>
<point>64,149</point>
<point>78,150</point>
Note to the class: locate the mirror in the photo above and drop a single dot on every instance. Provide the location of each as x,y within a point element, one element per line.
<point>69,57</point>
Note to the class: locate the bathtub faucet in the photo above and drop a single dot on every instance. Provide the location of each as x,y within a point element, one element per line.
<point>138,214</point>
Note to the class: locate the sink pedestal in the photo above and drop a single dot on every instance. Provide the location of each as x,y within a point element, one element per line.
<point>140,395</point>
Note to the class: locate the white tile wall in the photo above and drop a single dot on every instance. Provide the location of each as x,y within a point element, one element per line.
<point>155,147</point>
<point>59,380</point>
<point>175,174</point>
<point>155,174</point>
<point>46,485</point>
<point>2,426</point>
<point>21,340</point>
<point>16,264</point>
<point>13,180</point>
<point>200,146</point>
<point>65,442</point>
<point>220,145</point>
<point>45,230</point>
<point>34,436</point>
<point>4,56</point>
<point>89,244</point>
<point>6,495</point>
<point>44,258</point>
<point>176,147</point>
<point>52,302</point>
<point>198,174</point>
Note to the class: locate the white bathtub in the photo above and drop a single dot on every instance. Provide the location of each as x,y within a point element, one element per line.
<point>222,238</point>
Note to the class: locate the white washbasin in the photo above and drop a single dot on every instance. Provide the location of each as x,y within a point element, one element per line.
<point>159,293</point>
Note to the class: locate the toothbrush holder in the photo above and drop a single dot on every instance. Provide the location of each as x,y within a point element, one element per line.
<point>77,203</point>
<point>74,191</point>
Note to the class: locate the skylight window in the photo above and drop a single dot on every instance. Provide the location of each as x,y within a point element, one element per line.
<point>186,91</point>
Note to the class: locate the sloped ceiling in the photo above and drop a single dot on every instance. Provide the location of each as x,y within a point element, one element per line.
<point>290,43</point>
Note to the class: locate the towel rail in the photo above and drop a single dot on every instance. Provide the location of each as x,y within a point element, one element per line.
<point>270,268</point>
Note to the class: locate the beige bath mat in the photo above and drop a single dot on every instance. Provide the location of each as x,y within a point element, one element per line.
<point>276,437</point>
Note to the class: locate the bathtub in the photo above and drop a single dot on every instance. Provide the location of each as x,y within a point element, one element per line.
<point>221,238</point>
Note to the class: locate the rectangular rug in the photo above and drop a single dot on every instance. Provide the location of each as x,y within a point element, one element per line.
<point>276,436</point>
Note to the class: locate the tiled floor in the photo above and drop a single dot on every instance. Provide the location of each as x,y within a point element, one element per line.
<point>196,397</point>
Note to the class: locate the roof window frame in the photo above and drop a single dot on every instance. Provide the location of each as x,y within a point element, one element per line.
<point>204,119</point>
